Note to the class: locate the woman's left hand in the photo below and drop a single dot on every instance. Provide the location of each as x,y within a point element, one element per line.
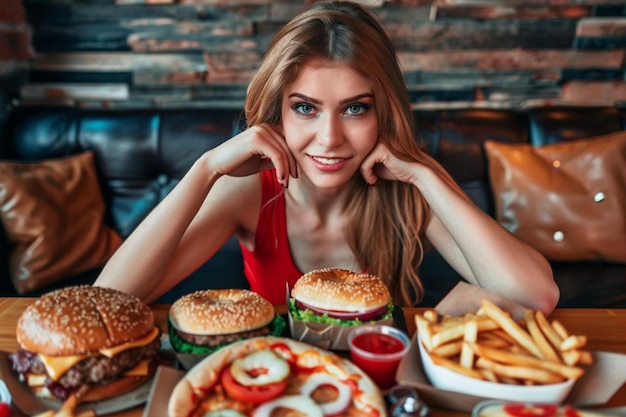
<point>381,163</point>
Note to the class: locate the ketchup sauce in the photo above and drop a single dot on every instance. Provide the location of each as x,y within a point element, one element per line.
<point>378,343</point>
<point>378,354</point>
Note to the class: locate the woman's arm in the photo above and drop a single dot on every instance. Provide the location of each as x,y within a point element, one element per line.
<point>482,251</point>
<point>160,251</point>
<point>473,243</point>
<point>206,208</point>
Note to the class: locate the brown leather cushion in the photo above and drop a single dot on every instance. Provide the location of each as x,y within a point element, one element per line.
<point>52,212</point>
<point>568,200</point>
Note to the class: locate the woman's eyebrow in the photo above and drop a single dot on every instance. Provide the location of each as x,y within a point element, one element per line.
<point>344,101</point>
<point>305,98</point>
<point>356,98</point>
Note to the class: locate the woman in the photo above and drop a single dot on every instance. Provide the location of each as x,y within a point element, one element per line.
<point>328,174</point>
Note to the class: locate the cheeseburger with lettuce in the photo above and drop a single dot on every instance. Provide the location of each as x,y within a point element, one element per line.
<point>340,297</point>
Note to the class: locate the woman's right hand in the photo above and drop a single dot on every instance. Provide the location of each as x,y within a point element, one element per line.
<point>254,150</point>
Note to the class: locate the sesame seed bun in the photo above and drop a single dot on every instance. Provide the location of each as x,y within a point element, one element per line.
<point>219,312</point>
<point>341,290</point>
<point>82,319</point>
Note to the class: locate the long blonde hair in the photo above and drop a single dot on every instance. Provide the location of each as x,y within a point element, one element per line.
<point>387,225</point>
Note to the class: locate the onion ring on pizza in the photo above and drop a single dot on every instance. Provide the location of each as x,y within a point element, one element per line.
<point>233,379</point>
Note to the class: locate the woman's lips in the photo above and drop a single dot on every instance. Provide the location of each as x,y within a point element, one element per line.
<point>328,161</point>
<point>328,164</point>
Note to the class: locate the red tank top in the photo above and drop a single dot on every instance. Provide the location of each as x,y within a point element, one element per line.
<point>270,265</point>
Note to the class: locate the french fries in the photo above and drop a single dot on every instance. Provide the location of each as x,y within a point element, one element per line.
<point>541,341</point>
<point>469,338</point>
<point>491,346</point>
<point>68,409</point>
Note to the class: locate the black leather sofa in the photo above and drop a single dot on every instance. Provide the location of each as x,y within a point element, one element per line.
<point>141,153</point>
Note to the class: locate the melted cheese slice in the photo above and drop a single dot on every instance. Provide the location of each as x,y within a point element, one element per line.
<point>140,370</point>
<point>112,351</point>
<point>58,365</point>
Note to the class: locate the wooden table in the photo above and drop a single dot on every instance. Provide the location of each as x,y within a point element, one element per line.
<point>603,327</point>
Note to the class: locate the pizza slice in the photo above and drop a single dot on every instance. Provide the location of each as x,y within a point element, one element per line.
<point>274,376</point>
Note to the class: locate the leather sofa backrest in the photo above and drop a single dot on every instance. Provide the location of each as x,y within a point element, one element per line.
<point>140,154</point>
<point>456,137</point>
<point>561,124</point>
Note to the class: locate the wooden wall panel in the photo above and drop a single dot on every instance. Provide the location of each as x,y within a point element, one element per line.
<point>203,52</point>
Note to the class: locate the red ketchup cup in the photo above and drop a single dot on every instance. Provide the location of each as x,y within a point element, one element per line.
<point>377,350</point>
<point>5,400</point>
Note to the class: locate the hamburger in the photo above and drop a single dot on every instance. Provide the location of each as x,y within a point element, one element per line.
<point>206,320</point>
<point>93,342</point>
<point>338,296</point>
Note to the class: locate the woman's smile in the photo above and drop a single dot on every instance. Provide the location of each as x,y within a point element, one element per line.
<point>328,161</point>
<point>328,164</point>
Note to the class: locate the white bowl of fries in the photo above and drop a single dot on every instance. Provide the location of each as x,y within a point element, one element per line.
<point>445,378</point>
<point>490,355</point>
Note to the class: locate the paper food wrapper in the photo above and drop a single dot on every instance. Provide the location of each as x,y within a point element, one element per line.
<point>186,360</point>
<point>325,336</point>
<point>165,380</point>
<point>600,382</point>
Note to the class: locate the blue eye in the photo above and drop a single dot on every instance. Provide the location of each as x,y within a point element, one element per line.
<point>356,109</point>
<point>303,108</point>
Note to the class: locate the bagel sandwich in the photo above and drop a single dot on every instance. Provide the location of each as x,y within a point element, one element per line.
<point>340,297</point>
<point>204,321</point>
<point>92,342</point>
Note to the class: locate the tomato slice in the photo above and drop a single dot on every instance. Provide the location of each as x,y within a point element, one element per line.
<point>255,394</point>
<point>530,410</point>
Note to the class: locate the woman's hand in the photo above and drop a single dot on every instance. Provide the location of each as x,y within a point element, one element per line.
<point>474,244</point>
<point>254,150</point>
<point>381,163</point>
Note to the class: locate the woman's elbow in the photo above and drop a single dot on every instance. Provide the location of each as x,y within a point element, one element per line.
<point>549,294</point>
<point>549,299</point>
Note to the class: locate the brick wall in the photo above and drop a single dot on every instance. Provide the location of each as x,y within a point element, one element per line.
<point>15,48</point>
<point>202,52</point>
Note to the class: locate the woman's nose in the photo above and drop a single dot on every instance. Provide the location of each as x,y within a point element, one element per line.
<point>331,133</point>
